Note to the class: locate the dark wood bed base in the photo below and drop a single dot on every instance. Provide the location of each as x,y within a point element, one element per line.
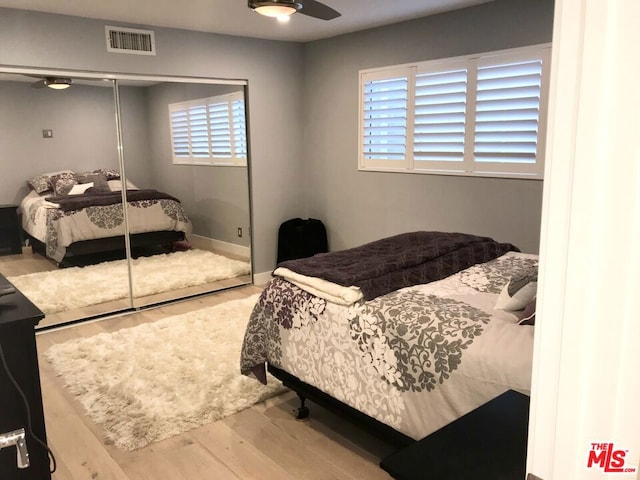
<point>78,252</point>
<point>306,391</point>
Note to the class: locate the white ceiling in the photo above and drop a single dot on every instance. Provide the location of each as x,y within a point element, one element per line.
<point>233,17</point>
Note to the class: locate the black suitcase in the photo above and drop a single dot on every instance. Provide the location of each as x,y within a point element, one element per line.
<point>299,238</point>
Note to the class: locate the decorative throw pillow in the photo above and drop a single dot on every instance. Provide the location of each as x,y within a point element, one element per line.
<point>519,291</point>
<point>99,181</point>
<point>42,183</point>
<point>110,173</point>
<point>63,182</point>
<point>527,316</point>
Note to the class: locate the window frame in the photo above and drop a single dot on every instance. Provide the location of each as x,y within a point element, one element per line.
<point>238,153</point>
<point>469,166</point>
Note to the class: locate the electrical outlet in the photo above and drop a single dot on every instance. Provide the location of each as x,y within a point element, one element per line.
<point>240,231</point>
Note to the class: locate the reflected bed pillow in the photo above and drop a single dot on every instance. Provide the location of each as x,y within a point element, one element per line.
<point>99,181</point>
<point>110,173</point>
<point>116,185</point>
<point>80,188</point>
<point>62,183</point>
<point>42,183</point>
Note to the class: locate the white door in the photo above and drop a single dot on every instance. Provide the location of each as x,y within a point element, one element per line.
<point>585,405</point>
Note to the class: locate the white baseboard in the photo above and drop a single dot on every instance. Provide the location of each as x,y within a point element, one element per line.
<point>205,243</point>
<point>261,278</point>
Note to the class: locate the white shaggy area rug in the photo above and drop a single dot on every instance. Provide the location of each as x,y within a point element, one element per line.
<point>70,288</point>
<point>160,379</point>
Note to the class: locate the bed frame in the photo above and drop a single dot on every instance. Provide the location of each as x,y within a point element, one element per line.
<point>101,249</point>
<point>306,391</point>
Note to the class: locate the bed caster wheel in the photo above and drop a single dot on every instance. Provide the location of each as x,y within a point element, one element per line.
<point>301,413</point>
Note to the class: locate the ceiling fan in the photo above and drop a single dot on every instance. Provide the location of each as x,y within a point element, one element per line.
<point>284,8</point>
<point>57,83</point>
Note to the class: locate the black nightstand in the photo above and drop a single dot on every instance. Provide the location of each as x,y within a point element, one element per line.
<point>489,443</point>
<point>10,237</point>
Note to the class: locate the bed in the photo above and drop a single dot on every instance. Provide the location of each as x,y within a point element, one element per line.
<point>405,334</point>
<point>68,215</point>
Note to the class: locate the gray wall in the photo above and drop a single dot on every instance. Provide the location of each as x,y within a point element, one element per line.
<point>84,132</point>
<point>362,206</point>
<point>313,172</point>
<point>273,70</point>
<point>136,135</point>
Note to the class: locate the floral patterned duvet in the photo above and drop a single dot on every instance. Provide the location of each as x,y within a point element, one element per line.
<point>414,359</point>
<point>58,229</point>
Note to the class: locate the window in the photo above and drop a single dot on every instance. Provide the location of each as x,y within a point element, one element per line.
<point>209,131</point>
<point>477,115</point>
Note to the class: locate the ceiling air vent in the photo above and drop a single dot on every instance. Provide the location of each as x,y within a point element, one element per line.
<point>130,40</point>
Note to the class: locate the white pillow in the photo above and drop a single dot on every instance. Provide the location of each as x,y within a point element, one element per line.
<point>80,188</point>
<point>518,292</point>
<point>116,185</point>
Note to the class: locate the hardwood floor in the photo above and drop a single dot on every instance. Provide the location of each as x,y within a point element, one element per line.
<point>262,442</point>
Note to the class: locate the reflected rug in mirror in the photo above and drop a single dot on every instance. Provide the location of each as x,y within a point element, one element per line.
<point>159,379</point>
<point>70,288</point>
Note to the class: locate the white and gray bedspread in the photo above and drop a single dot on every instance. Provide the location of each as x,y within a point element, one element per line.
<point>58,229</point>
<point>415,359</point>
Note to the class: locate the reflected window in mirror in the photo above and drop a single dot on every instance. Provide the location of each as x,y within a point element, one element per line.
<point>209,131</point>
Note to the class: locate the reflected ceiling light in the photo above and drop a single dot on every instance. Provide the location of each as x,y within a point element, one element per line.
<point>282,8</point>
<point>57,83</point>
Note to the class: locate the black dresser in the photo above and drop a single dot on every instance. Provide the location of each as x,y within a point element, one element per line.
<point>18,317</point>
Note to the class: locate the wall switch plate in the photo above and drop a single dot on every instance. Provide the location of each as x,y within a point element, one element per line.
<point>48,133</point>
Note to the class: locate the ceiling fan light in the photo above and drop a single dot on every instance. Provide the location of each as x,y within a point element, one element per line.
<point>275,9</point>
<point>57,83</point>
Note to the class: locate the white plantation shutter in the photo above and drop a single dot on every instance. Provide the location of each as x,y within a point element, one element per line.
<point>220,129</point>
<point>209,131</point>
<point>179,119</point>
<point>199,131</point>
<point>476,115</point>
<point>239,128</point>
<point>439,119</point>
<point>384,119</point>
<point>509,103</point>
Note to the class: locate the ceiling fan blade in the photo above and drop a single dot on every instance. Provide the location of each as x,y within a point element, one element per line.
<point>319,10</point>
<point>39,84</point>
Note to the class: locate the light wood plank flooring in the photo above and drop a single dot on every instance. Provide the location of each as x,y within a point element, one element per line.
<point>263,442</point>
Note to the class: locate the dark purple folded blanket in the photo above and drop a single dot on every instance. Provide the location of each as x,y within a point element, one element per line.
<point>101,198</point>
<point>400,261</point>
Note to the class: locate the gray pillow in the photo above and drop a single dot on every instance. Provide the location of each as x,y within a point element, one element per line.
<point>99,181</point>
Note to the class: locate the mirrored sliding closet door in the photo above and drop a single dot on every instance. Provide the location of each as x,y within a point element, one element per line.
<point>185,157</point>
<point>174,151</point>
<point>59,144</point>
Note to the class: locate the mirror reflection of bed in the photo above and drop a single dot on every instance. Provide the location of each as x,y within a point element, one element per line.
<point>183,218</point>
